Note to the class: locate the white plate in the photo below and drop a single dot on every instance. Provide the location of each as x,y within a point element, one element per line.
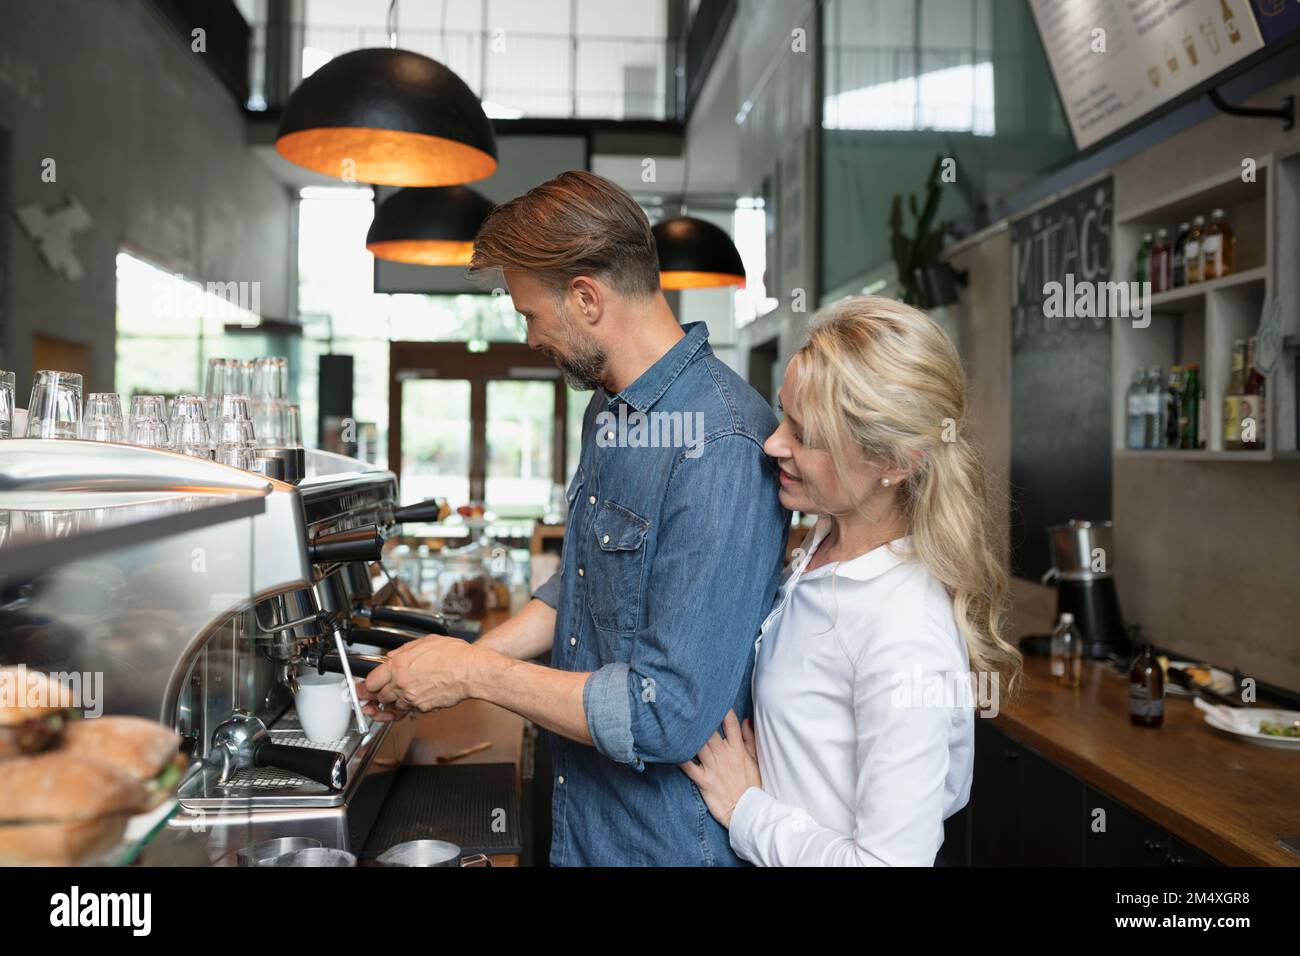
<point>1220,680</point>
<point>1255,737</point>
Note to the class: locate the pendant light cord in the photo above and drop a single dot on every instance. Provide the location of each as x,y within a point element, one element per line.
<point>686,170</point>
<point>392,24</point>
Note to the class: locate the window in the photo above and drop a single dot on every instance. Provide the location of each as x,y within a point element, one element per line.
<point>169,325</point>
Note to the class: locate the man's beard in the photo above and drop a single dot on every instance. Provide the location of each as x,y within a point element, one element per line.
<point>584,364</point>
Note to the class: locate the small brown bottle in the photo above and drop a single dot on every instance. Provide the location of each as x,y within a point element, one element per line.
<point>1146,690</point>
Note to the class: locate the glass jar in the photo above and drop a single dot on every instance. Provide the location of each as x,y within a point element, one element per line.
<point>464,585</point>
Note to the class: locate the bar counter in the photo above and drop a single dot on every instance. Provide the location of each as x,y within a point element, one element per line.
<point>1231,799</point>
<point>470,723</point>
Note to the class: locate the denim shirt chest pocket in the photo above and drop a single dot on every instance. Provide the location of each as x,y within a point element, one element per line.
<point>616,568</point>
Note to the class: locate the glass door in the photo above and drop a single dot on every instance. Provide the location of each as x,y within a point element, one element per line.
<point>488,427</point>
<point>520,446</point>
<point>435,439</point>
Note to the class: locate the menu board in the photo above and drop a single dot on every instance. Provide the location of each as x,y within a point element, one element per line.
<point>1117,60</point>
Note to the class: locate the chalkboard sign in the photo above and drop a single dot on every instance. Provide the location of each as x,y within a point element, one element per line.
<point>1060,372</point>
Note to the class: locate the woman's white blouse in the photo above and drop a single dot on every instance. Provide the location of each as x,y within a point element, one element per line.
<point>865,742</point>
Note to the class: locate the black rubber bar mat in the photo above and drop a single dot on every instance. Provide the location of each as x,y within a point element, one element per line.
<point>474,805</point>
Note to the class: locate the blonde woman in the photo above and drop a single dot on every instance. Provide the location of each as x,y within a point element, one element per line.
<point>901,591</point>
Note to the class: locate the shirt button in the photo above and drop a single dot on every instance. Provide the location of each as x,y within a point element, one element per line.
<point>591,499</point>
<point>573,642</point>
<point>581,572</point>
<point>560,779</point>
<point>605,540</point>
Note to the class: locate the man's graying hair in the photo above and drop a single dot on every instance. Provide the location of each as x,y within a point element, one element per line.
<point>576,224</point>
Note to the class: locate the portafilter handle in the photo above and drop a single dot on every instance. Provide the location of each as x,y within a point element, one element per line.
<point>422,511</point>
<point>359,544</point>
<point>361,664</point>
<point>426,621</point>
<point>243,741</point>
<point>380,637</point>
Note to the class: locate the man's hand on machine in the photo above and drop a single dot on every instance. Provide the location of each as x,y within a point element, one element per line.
<point>424,676</point>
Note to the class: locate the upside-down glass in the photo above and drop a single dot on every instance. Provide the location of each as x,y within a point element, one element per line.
<point>269,422</point>
<point>293,427</point>
<point>236,407</point>
<point>225,377</point>
<point>54,410</point>
<point>6,404</point>
<point>232,448</point>
<point>190,407</point>
<point>103,420</point>
<point>190,434</point>
<point>270,378</point>
<point>148,427</point>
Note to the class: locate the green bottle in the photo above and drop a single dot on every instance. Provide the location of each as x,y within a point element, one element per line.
<point>1189,410</point>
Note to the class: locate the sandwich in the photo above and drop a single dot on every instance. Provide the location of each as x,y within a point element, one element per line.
<point>33,711</point>
<point>143,749</point>
<point>57,809</point>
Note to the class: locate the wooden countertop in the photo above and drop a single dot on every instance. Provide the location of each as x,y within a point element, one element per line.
<point>1229,798</point>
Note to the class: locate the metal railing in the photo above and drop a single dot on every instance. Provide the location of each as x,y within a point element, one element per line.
<point>516,74</point>
<point>909,88</point>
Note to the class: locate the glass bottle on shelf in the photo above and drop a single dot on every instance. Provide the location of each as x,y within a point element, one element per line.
<point>1192,250</point>
<point>1178,259</point>
<point>1142,268</point>
<point>1137,397</point>
<point>1218,248</point>
<point>1252,409</point>
<point>1153,410</point>
<point>1173,403</point>
<point>1160,265</point>
<point>1232,397</point>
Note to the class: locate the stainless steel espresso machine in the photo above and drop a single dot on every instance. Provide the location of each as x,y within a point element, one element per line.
<point>199,594</point>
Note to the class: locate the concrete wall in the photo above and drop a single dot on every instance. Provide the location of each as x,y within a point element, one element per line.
<point>153,147</point>
<point>777,84</point>
<point>1207,553</point>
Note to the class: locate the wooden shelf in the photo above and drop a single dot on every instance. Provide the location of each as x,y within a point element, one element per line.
<point>1191,298</point>
<point>1201,454</point>
<point>1221,191</point>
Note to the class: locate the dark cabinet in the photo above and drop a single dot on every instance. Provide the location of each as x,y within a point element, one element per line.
<point>1118,836</point>
<point>1051,814</point>
<point>1026,810</point>
<point>994,815</point>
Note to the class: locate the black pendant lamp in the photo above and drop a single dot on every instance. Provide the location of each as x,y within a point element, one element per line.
<point>391,117</point>
<point>694,254</point>
<point>428,226</point>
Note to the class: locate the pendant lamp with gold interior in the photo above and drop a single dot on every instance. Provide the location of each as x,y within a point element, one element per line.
<point>390,117</point>
<point>428,226</point>
<point>694,253</point>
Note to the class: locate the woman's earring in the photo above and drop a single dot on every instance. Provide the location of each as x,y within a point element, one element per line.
<point>886,482</point>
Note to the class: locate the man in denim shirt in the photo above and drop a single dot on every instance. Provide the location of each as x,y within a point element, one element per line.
<point>672,553</point>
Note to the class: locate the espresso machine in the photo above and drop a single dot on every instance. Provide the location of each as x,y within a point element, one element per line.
<point>200,593</point>
<point>1083,574</point>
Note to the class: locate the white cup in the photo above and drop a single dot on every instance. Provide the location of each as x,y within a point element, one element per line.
<point>324,706</point>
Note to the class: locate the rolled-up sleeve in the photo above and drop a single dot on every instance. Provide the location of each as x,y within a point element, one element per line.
<point>714,571</point>
<point>549,592</point>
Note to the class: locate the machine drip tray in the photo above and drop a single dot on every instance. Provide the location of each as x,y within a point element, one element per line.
<point>464,804</point>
